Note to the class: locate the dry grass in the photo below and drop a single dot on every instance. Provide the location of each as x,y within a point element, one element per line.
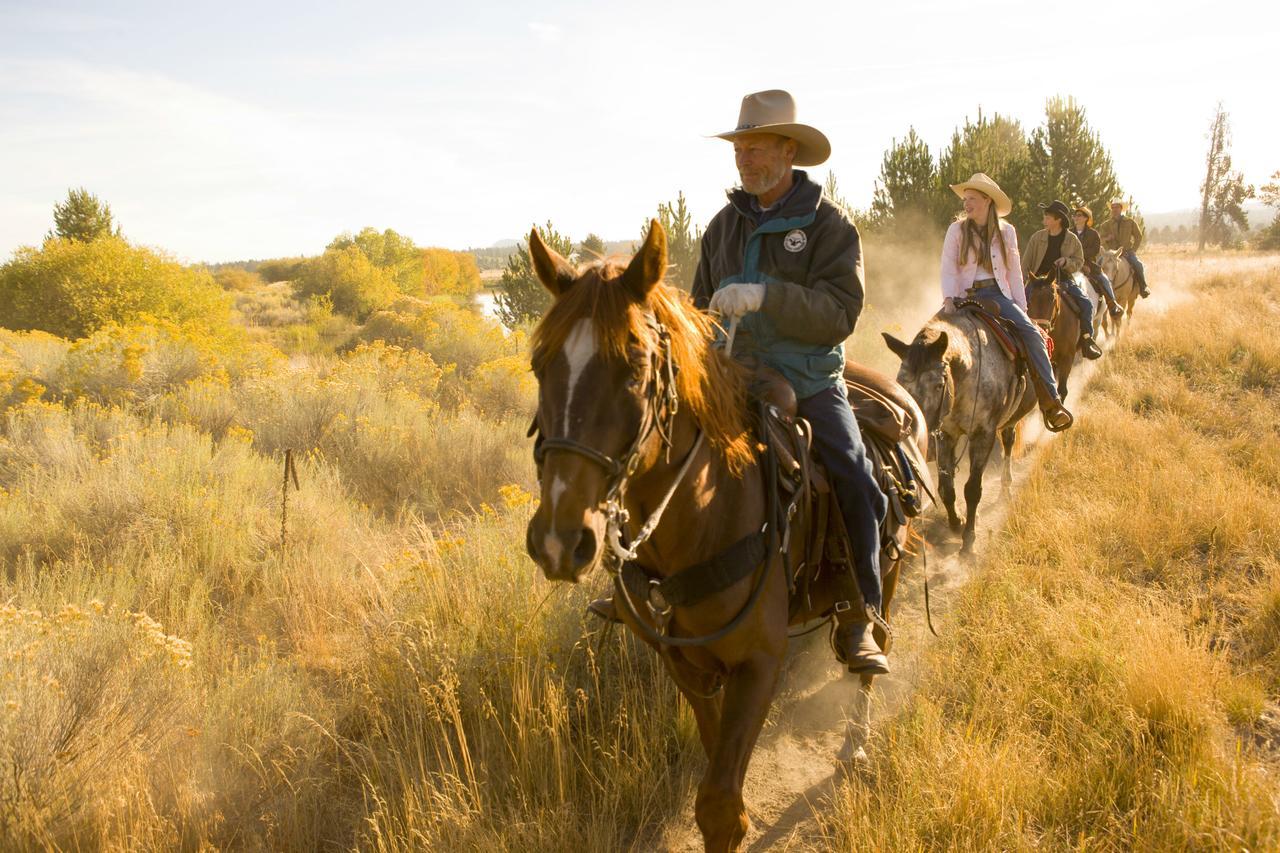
<point>1103,681</point>
<point>397,678</point>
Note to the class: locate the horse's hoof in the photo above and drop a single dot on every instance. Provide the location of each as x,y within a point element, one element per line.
<point>852,761</point>
<point>955,524</point>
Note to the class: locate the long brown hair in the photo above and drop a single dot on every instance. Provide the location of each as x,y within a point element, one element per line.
<point>974,239</point>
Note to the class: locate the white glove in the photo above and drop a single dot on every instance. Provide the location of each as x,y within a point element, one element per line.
<point>734,300</point>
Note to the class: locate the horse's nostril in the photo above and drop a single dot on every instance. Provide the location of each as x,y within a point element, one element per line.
<point>585,551</point>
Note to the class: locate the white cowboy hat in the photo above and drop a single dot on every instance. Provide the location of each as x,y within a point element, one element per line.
<point>987,187</point>
<point>1124,205</point>
<point>774,111</point>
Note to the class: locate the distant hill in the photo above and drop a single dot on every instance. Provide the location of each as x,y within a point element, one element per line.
<point>1259,214</point>
<point>495,257</point>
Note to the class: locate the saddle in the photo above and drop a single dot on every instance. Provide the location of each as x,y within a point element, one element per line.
<point>1003,330</point>
<point>887,418</point>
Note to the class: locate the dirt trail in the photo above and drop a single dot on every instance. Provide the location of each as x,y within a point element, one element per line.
<point>793,768</point>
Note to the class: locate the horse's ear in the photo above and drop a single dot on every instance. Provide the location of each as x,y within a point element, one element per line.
<point>649,265</point>
<point>553,271</point>
<point>899,348</point>
<point>937,348</point>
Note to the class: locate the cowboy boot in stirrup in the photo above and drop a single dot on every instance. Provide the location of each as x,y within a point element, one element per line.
<point>856,645</point>
<point>604,609</point>
<point>1089,347</point>
<point>1113,307</point>
<point>1056,416</point>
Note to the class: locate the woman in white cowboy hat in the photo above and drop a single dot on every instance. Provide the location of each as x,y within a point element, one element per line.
<point>980,260</point>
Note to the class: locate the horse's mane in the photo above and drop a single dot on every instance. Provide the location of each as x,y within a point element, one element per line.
<point>712,386</point>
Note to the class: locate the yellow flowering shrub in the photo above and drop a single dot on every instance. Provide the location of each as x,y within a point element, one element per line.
<point>90,697</point>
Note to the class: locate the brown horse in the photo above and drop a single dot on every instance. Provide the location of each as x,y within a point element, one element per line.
<point>643,421</point>
<point>1046,305</point>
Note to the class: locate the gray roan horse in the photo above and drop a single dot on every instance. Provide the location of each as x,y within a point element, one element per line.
<point>966,386</point>
<point>1126,286</point>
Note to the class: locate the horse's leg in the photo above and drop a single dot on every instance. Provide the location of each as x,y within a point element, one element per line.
<point>980,446</point>
<point>857,727</point>
<point>696,686</point>
<point>947,479</point>
<point>1008,437</point>
<point>857,730</point>
<point>748,691</point>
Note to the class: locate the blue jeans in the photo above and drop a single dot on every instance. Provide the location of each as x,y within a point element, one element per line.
<point>1037,351</point>
<point>1138,272</point>
<point>1101,282</point>
<point>1068,285</point>
<point>838,440</point>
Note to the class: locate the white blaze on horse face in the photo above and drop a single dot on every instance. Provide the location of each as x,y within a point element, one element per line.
<point>579,349</point>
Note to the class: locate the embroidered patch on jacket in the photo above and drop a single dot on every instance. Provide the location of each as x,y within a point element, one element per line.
<point>795,241</point>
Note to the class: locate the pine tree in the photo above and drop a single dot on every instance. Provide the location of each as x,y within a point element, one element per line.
<point>997,147</point>
<point>83,217</point>
<point>683,241</point>
<point>906,194</point>
<point>591,248</point>
<point>1068,160</point>
<point>521,297</point>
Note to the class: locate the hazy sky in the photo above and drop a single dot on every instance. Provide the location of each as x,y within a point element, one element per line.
<point>257,130</point>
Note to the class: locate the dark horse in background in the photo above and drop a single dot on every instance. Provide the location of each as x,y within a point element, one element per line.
<point>640,415</point>
<point>1054,314</point>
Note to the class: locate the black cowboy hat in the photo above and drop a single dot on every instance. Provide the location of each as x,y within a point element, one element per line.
<point>1059,209</point>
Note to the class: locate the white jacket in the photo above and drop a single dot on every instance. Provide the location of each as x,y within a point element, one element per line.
<point>958,277</point>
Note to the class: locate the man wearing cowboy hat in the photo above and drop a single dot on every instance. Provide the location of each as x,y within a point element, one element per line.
<point>1123,233</point>
<point>788,262</point>
<point>1055,250</point>
<point>1092,243</point>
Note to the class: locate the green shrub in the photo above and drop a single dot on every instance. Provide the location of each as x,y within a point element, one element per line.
<point>345,275</point>
<point>71,288</point>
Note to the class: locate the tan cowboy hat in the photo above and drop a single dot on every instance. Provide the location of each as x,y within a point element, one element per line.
<point>987,187</point>
<point>1124,205</point>
<point>1088,215</point>
<point>774,111</point>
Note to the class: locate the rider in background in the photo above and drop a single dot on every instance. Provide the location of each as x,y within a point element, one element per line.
<point>1123,233</point>
<point>980,261</point>
<point>1055,250</point>
<point>1092,244</point>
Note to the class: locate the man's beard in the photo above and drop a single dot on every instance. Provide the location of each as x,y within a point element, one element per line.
<point>764,181</point>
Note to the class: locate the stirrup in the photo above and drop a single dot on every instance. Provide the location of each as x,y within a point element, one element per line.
<point>1058,410</point>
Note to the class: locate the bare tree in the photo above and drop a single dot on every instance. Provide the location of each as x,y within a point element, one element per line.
<point>1223,192</point>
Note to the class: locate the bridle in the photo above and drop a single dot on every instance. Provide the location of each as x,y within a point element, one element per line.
<point>662,404</point>
<point>945,401</point>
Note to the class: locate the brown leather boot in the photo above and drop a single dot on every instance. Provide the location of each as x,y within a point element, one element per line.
<point>857,649</point>
<point>604,609</point>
